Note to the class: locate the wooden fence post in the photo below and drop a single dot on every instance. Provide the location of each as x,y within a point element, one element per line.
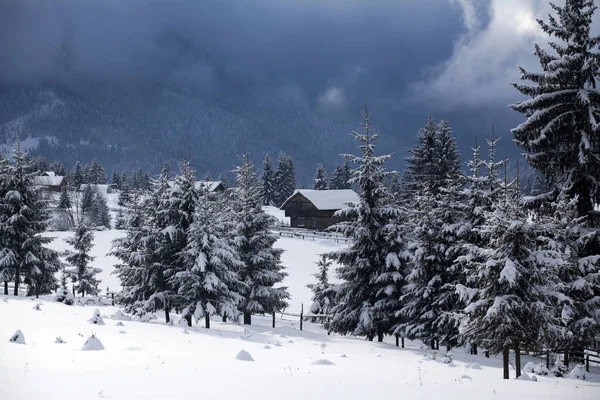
<point>301,314</point>
<point>402,341</point>
<point>587,362</point>
<point>548,359</point>
<point>397,341</point>
<point>273,319</point>
<point>112,295</point>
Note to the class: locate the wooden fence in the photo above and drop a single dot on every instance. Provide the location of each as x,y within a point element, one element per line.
<point>307,234</point>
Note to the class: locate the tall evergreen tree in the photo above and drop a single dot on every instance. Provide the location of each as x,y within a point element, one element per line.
<point>99,214</point>
<point>371,268</point>
<point>23,219</point>
<point>437,220</point>
<point>77,175</point>
<point>285,179</point>
<point>224,181</point>
<point>268,182</point>
<point>341,176</point>
<point>320,182</point>
<point>261,267</point>
<point>209,284</point>
<point>82,274</point>
<point>116,179</point>
<point>561,134</point>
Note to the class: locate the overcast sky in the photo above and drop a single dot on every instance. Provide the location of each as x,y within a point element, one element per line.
<point>443,56</point>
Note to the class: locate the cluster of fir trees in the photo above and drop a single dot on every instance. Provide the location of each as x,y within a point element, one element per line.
<point>339,178</point>
<point>24,257</point>
<point>277,184</point>
<point>201,253</point>
<point>456,258</point>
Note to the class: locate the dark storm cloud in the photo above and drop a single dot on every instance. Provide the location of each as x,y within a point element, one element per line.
<point>316,44</point>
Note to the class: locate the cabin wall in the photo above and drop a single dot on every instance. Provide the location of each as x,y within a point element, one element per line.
<point>303,214</point>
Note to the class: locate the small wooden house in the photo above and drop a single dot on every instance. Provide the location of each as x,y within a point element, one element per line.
<point>211,186</point>
<point>49,181</point>
<point>314,209</point>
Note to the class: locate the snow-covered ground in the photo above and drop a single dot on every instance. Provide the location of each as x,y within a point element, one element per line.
<point>299,258</point>
<point>156,361</point>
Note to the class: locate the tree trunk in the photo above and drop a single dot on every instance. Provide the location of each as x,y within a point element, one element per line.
<point>188,318</point>
<point>474,349</point>
<point>370,338</point>
<point>505,354</point>
<point>16,288</point>
<point>167,316</point>
<point>437,344</point>
<point>207,321</point>
<point>380,337</point>
<point>402,341</point>
<point>6,288</point>
<point>224,317</point>
<point>432,344</point>
<point>566,359</point>
<point>397,341</point>
<point>518,361</point>
<point>247,318</point>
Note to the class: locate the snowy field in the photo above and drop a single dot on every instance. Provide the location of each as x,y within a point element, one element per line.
<point>156,361</point>
<point>299,258</point>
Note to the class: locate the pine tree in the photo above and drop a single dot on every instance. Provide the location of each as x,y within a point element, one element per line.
<point>58,168</point>
<point>371,268</point>
<point>341,176</point>
<point>268,182</point>
<point>209,284</point>
<point>174,216</point>
<point>261,267</point>
<point>116,179</point>
<point>223,180</point>
<point>335,179</point>
<point>82,274</point>
<point>285,179</point>
<point>64,202</point>
<point>99,214</point>
<point>23,219</point>
<point>87,199</point>
<point>511,309</point>
<point>64,209</point>
<point>561,133</point>
<point>6,271</point>
<point>120,221</point>
<point>323,293</point>
<point>437,220</point>
<point>207,176</point>
<point>320,179</point>
<point>77,176</point>
<point>577,284</point>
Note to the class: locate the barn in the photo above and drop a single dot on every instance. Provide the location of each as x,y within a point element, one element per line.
<point>314,209</point>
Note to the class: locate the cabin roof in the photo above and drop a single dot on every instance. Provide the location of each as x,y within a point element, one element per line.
<point>326,199</point>
<point>48,180</point>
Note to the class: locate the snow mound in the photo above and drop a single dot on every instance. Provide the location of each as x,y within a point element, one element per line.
<point>122,332</point>
<point>120,324</point>
<point>451,364</point>
<point>474,366</point>
<point>290,341</point>
<point>92,344</point>
<point>185,331</point>
<point>119,316</point>
<point>322,361</point>
<point>149,317</point>
<point>525,377</point>
<point>182,322</point>
<point>37,307</point>
<point>267,347</point>
<point>541,369</point>
<point>243,355</point>
<point>343,356</point>
<point>278,344</point>
<point>530,367</point>
<point>17,337</point>
<point>97,318</point>
<point>59,340</point>
<point>578,373</point>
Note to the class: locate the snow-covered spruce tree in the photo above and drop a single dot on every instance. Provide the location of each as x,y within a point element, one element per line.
<point>577,285</point>
<point>95,174</point>
<point>512,309</point>
<point>23,218</point>
<point>87,198</point>
<point>323,292</point>
<point>98,214</point>
<point>135,254</point>
<point>320,179</point>
<point>209,285</point>
<point>341,176</point>
<point>77,175</point>
<point>561,134</point>
<point>430,304</point>
<point>120,220</point>
<point>268,182</point>
<point>261,267</point>
<point>6,271</point>
<point>285,179</point>
<point>82,273</point>
<point>371,268</point>
<point>165,236</point>
<point>223,180</point>
<point>116,179</point>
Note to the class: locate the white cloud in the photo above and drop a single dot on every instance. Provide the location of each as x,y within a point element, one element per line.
<point>333,97</point>
<point>486,58</point>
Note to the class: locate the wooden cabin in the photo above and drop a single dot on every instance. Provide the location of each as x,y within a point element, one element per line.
<point>314,209</point>
<point>50,182</point>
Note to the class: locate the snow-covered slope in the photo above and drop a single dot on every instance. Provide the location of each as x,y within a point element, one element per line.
<point>156,361</point>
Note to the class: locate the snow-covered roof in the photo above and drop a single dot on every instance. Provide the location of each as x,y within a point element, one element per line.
<point>48,180</point>
<point>326,199</point>
<point>48,173</point>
